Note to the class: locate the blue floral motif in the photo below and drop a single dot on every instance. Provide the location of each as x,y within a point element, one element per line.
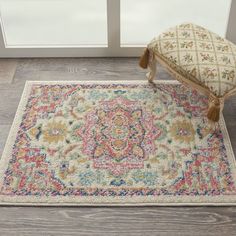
<point>92,177</point>
<point>96,94</point>
<point>87,178</point>
<point>141,95</point>
<point>118,182</point>
<point>119,92</point>
<point>146,177</point>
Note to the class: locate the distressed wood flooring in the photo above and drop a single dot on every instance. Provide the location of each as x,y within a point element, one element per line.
<point>169,221</point>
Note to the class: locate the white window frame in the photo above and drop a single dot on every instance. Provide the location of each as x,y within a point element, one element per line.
<point>114,48</point>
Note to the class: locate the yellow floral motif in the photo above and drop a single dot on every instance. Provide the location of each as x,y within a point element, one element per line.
<point>68,171</point>
<point>206,46</point>
<point>209,73</point>
<point>186,45</point>
<point>207,57</point>
<point>188,58</point>
<point>169,34</point>
<point>182,131</point>
<point>202,35</point>
<point>185,34</point>
<point>169,45</point>
<point>223,48</point>
<point>54,132</point>
<point>33,132</point>
<point>228,74</point>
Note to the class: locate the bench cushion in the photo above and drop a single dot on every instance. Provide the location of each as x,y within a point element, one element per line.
<point>199,55</point>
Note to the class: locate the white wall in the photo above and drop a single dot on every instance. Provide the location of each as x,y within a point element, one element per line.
<point>231,31</point>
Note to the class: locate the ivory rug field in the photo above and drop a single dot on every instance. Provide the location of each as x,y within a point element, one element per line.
<point>116,143</point>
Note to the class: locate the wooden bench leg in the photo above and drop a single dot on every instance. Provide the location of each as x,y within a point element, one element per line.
<point>148,60</point>
<point>152,65</point>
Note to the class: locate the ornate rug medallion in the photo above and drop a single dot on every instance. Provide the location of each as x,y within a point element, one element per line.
<point>117,143</point>
<point>119,135</point>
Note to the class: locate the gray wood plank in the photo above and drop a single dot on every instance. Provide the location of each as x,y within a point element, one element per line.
<point>7,70</point>
<point>169,221</point>
<point>4,129</point>
<point>81,69</point>
<point>230,119</point>
<point>118,221</point>
<point>9,99</point>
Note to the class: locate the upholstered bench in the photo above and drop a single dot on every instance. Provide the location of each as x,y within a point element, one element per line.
<point>198,57</point>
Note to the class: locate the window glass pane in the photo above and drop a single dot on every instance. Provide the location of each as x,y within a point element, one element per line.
<point>142,20</point>
<point>54,22</point>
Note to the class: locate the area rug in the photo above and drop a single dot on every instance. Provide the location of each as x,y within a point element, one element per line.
<point>115,143</point>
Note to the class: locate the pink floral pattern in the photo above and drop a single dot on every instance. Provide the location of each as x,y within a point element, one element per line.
<point>116,140</point>
<point>119,135</point>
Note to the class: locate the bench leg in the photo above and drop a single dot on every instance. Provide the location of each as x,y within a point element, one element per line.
<point>152,65</point>
<point>147,60</point>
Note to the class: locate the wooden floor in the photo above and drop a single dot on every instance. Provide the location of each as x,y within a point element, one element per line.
<point>100,220</point>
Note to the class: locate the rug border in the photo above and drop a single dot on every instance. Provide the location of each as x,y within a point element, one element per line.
<point>225,200</point>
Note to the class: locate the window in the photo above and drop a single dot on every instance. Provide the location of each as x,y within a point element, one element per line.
<point>38,28</point>
<point>151,17</point>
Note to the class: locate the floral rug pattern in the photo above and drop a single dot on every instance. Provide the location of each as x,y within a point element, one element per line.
<point>116,141</point>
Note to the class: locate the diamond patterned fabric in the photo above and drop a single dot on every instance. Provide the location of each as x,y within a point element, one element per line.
<point>199,55</point>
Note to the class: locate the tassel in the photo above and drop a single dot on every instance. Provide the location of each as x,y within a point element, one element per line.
<point>143,62</point>
<point>214,111</point>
